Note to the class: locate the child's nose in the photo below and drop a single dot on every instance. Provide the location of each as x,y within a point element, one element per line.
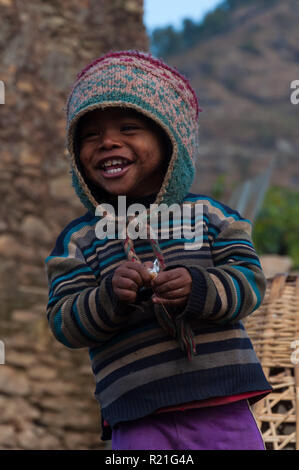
<point>109,138</point>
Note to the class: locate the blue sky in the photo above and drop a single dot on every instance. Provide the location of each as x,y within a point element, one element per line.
<point>159,13</point>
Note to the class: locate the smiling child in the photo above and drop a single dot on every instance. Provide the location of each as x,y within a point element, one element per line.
<point>173,364</point>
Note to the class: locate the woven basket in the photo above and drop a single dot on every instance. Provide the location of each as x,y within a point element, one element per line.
<point>274,332</point>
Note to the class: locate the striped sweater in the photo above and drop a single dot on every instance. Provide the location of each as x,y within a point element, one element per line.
<point>138,367</point>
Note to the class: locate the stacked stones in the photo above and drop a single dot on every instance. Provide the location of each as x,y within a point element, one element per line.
<point>46,391</point>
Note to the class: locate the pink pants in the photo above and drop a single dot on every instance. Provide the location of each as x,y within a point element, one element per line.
<point>224,427</point>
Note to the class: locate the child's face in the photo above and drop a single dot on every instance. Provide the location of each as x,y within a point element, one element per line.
<point>122,152</point>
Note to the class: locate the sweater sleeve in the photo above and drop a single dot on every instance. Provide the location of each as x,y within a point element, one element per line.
<point>235,286</point>
<point>82,311</point>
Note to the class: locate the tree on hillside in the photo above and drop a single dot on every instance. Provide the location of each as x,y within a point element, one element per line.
<point>168,41</point>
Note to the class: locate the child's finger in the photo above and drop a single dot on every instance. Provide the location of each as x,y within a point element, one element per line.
<point>132,271</point>
<point>165,276</point>
<point>141,269</point>
<point>173,294</point>
<point>148,264</point>
<point>122,282</point>
<point>168,285</point>
<point>144,272</point>
<point>174,282</point>
<point>125,295</point>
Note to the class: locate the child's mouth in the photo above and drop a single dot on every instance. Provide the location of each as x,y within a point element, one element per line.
<point>114,167</point>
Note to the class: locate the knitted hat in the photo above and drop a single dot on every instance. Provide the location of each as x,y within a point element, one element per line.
<point>136,80</point>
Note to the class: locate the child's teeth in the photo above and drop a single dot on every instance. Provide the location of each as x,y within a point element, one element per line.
<point>114,170</point>
<point>112,162</point>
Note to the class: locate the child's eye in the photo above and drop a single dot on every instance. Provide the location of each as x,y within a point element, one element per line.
<point>129,127</point>
<point>90,135</point>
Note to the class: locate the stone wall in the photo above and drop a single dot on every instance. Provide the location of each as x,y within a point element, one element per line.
<point>46,391</point>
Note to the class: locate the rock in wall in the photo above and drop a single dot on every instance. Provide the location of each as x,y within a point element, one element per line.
<point>46,391</point>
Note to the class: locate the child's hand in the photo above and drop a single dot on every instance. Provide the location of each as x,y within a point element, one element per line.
<point>128,278</point>
<point>172,287</point>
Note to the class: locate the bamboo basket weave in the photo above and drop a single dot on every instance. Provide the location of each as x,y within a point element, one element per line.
<point>274,332</point>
